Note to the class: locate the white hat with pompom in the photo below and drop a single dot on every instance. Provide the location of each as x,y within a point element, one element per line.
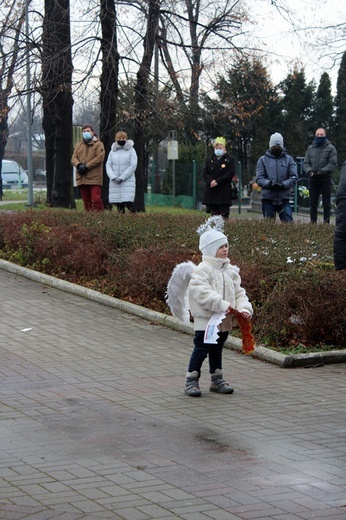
<point>211,236</point>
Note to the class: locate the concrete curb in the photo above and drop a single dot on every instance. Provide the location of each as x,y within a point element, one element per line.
<point>262,353</point>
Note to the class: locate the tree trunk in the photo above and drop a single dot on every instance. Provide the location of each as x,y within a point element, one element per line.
<point>57,102</point>
<point>340,117</point>
<point>49,131</point>
<point>8,63</point>
<point>141,101</point>
<point>3,131</point>
<point>109,85</point>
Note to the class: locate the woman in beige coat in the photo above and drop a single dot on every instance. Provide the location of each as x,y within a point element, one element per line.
<point>88,157</point>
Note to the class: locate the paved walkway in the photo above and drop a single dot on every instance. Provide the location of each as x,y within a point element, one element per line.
<point>94,423</point>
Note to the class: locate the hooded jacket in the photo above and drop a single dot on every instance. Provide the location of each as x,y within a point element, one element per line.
<point>340,222</point>
<point>214,286</point>
<point>91,154</point>
<point>276,170</point>
<point>121,166</point>
<point>321,159</point>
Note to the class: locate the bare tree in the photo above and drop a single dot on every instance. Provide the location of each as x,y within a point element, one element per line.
<point>10,38</point>
<point>305,26</point>
<point>201,30</point>
<point>141,97</point>
<point>108,83</point>
<point>57,101</point>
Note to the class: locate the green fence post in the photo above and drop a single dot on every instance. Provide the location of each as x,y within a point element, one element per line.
<point>19,179</point>
<point>240,187</point>
<point>299,164</point>
<point>296,197</point>
<point>194,195</point>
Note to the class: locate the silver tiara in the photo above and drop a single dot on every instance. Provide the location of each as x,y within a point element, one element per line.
<point>215,222</point>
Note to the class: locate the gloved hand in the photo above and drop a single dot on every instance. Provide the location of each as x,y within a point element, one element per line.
<point>82,169</point>
<point>278,186</point>
<point>312,174</point>
<point>319,174</point>
<point>118,181</point>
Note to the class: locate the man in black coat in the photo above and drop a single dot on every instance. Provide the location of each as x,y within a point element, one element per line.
<point>319,163</point>
<point>340,222</point>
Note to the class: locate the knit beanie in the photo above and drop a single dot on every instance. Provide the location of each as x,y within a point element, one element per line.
<point>211,236</point>
<point>276,140</point>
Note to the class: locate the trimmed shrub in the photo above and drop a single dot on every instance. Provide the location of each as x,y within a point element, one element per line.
<point>287,270</point>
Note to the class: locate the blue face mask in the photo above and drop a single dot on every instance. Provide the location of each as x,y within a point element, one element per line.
<point>319,141</point>
<point>87,136</point>
<point>218,152</point>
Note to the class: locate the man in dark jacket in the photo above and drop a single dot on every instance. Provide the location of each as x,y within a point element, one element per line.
<point>340,223</point>
<point>319,163</point>
<point>276,174</point>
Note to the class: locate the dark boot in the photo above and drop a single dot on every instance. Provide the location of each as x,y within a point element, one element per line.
<point>191,384</point>
<point>219,385</point>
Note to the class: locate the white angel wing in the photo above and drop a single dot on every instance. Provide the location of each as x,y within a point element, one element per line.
<point>177,294</point>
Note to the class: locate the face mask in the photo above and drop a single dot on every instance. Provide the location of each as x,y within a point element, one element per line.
<point>276,151</point>
<point>87,136</point>
<point>319,141</point>
<point>121,142</point>
<point>218,152</point>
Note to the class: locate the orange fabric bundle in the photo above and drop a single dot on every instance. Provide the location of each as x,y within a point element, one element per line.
<point>245,328</point>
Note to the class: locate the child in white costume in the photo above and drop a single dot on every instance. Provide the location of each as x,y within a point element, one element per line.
<point>214,286</point>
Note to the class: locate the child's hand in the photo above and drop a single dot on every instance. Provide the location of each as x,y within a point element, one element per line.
<point>245,314</point>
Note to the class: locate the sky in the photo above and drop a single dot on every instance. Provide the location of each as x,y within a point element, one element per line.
<point>315,47</point>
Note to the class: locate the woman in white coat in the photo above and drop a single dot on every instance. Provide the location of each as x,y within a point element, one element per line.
<point>120,167</point>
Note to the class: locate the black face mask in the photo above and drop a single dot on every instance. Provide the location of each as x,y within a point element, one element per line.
<point>276,151</point>
<point>320,140</point>
<point>121,142</point>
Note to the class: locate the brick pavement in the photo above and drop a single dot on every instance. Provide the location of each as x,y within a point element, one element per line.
<point>94,423</point>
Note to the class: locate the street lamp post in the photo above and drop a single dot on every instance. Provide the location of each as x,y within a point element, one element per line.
<point>300,161</point>
<point>173,155</point>
<point>28,110</point>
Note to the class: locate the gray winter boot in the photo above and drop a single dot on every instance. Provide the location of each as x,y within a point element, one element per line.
<point>219,385</point>
<point>191,384</point>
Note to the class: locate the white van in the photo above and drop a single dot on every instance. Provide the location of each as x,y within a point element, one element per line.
<point>13,175</point>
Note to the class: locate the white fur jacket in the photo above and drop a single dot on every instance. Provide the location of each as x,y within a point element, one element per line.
<point>214,286</point>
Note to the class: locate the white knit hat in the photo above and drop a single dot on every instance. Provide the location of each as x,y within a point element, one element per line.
<point>276,140</point>
<point>212,237</point>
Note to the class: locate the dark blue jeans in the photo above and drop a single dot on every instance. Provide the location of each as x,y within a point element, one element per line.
<point>284,211</point>
<point>319,186</point>
<point>202,350</point>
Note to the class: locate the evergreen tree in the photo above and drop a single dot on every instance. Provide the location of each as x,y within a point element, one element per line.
<point>246,97</point>
<point>214,121</point>
<point>184,171</point>
<point>340,117</point>
<point>323,107</point>
<point>297,112</point>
